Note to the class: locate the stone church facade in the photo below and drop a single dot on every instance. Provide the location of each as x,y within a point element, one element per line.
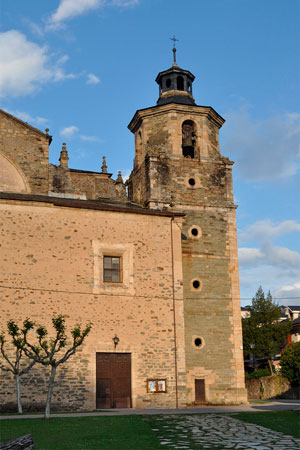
<point>153,263</point>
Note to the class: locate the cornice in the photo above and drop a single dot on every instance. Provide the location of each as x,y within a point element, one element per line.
<point>207,111</point>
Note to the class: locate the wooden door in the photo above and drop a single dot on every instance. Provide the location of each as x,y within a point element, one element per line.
<point>113,380</point>
<point>199,391</point>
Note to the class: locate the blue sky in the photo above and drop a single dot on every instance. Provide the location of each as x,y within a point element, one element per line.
<point>83,67</point>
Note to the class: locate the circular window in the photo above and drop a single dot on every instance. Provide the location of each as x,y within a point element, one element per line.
<point>192,182</point>
<point>194,232</point>
<point>197,342</point>
<point>168,82</point>
<point>196,284</point>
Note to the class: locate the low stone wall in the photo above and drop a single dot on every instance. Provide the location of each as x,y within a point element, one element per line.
<point>269,387</point>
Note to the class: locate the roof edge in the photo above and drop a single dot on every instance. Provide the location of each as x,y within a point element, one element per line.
<point>137,118</point>
<point>87,204</point>
<point>25,124</point>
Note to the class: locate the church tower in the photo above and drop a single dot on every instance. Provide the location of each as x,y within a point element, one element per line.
<point>178,166</point>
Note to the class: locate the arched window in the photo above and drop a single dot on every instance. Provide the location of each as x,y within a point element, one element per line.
<point>168,83</point>
<point>180,83</point>
<point>188,139</point>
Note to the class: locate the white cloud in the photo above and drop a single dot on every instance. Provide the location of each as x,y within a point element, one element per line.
<point>72,130</point>
<point>269,277</point>
<point>25,66</point>
<point>68,131</point>
<point>265,230</point>
<point>67,9</point>
<point>92,79</point>
<point>268,264</point>
<point>26,117</point>
<point>291,291</point>
<point>89,138</point>
<point>35,28</point>
<point>22,64</point>
<point>269,255</point>
<point>249,256</point>
<point>281,257</point>
<point>264,149</point>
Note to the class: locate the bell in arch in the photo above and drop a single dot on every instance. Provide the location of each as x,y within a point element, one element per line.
<point>188,139</point>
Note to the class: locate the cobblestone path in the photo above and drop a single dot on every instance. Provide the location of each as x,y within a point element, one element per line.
<point>219,432</point>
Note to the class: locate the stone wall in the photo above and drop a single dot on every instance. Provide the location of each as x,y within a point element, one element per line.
<point>24,166</point>
<point>265,388</point>
<point>50,260</point>
<point>27,149</point>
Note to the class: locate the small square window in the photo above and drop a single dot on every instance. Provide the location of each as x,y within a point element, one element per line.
<point>112,272</point>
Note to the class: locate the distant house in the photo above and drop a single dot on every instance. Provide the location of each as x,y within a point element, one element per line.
<point>295,333</point>
<point>245,311</point>
<point>289,312</point>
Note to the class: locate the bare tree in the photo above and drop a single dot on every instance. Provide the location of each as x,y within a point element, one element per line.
<point>46,351</point>
<point>14,364</point>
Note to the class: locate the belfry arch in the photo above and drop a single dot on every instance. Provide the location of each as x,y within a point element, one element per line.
<point>12,178</point>
<point>188,139</point>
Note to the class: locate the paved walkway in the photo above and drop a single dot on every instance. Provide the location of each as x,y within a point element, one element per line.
<point>278,405</point>
<point>219,432</point>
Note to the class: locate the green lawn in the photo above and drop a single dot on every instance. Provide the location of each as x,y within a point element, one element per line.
<point>123,433</point>
<point>288,422</point>
<point>84,433</point>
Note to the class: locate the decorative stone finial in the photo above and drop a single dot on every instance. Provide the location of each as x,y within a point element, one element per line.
<point>64,158</point>
<point>104,166</point>
<point>119,178</point>
<point>48,135</point>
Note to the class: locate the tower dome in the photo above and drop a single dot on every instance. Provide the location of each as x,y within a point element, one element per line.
<point>175,85</point>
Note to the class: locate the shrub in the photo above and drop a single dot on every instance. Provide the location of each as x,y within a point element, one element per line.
<point>290,363</point>
<point>257,374</point>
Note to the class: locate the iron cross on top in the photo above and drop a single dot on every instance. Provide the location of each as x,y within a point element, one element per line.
<point>174,41</point>
<point>174,49</point>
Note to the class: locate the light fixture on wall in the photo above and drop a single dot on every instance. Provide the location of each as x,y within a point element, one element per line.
<point>116,340</point>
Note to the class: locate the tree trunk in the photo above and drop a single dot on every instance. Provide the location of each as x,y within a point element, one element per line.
<point>17,378</point>
<point>50,390</point>
<point>270,366</point>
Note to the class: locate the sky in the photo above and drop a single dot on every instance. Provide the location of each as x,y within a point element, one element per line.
<point>83,67</point>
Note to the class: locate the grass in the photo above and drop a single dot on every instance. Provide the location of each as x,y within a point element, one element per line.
<point>84,433</point>
<point>125,432</point>
<point>288,422</point>
<point>259,402</point>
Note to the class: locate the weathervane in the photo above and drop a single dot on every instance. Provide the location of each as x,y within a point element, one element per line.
<point>174,49</point>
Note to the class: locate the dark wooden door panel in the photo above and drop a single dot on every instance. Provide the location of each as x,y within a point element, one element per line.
<point>113,380</point>
<point>104,394</point>
<point>200,391</point>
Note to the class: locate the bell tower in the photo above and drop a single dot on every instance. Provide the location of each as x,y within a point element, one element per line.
<point>178,166</point>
